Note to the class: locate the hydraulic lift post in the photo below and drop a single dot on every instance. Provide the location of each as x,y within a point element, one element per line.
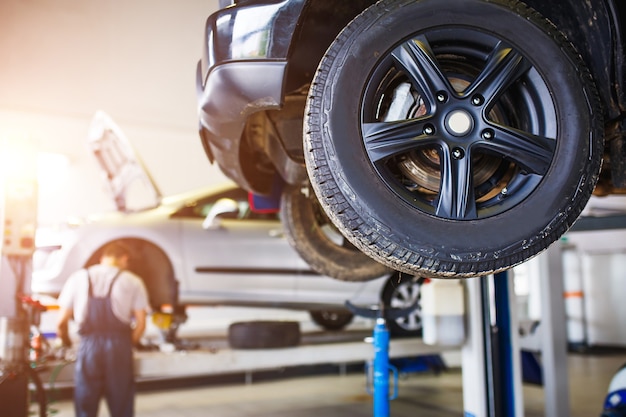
<point>491,356</point>
<point>554,333</point>
<point>18,212</point>
<point>13,346</point>
<point>491,368</point>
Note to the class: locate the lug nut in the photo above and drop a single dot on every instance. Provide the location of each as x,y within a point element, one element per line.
<point>429,130</point>
<point>442,97</point>
<point>478,100</point>
<point>457,153</point>
<point>487,134</point>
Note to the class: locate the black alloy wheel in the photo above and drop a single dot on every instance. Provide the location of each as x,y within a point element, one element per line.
<point>469,141</point>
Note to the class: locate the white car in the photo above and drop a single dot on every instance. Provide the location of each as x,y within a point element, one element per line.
<point>210,247</point>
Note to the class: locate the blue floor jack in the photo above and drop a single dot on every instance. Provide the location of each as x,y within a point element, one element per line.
<point>379,369</point>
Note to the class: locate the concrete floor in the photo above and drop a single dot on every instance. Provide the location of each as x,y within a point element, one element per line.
<point>339,395</point>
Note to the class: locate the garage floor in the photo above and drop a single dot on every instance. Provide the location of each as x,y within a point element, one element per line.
<point>339,395</point>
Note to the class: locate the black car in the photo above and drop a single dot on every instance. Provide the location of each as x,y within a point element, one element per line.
<point>441,137</point>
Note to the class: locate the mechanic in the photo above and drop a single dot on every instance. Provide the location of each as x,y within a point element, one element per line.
<point>110,305</point>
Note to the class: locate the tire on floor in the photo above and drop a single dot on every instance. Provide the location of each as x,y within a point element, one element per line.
<point>264,334</point>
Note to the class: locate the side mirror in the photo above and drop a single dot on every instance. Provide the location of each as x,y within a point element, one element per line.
<point>221,207</point>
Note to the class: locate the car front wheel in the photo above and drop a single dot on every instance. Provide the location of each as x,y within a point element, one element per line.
<point>452,137</point>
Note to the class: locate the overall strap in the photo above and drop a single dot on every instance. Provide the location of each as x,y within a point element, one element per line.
<point>90,291</point>
<point>113,282</point>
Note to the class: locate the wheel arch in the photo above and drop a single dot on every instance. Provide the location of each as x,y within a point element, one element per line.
<point>150,262</point>
<point>271,142</point>
<point>320,23</point>
<point>592,25</point>
<point>589,25</point>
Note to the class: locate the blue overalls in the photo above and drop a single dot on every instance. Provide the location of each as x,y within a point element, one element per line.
<point>104,364</point>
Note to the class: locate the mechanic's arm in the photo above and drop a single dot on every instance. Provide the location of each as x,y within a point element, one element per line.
<point>65,315</point>
<point>139,325</point>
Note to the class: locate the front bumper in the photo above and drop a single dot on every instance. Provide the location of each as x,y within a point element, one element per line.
<point>242,71</point>
<point>231,93</point>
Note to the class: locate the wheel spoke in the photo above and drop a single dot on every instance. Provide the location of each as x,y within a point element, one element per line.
<point>418,60</point>
<point>412,321</point>
<point>384,139</point>
<point>504,66</point>
<point>456,197</point>
<point>403,296</point>
<point>532,152</point>
<point>409,322</point>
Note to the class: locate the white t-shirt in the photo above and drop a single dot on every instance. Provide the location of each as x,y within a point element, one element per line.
<point>128,293</point>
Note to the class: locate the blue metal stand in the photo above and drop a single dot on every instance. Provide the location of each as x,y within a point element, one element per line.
<point>378,370</point>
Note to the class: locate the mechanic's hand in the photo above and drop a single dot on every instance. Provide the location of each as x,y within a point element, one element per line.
<point>65,353</point>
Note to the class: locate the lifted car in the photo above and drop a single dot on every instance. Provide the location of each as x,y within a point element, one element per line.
<point>451,138</point>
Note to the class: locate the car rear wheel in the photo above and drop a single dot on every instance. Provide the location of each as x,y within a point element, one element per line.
<point>331,319</point>
<point>449,143</point>
<point>319,243</point>
<point>402,291</point>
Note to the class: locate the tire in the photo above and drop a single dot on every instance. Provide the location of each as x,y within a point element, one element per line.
<point>317,241</point>
<point>432,181</point>
<point>331,319</point>
<point>401,291</point>
<point>263,334</point>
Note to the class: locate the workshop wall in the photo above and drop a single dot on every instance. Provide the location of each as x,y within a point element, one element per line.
<point>63,60</point>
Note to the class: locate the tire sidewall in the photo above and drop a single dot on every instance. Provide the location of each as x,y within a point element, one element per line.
<point>322,254</point>
<point>540,214</point>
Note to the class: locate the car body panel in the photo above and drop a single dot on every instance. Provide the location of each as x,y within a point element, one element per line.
<point>256,264</point>
<point>237,39</point>
<point>223,114</point>
<point>242,262</point>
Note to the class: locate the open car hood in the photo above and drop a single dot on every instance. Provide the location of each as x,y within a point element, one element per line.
<point>120,165</point>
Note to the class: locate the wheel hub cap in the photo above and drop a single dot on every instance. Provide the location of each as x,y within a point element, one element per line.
<point>459,123</point>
